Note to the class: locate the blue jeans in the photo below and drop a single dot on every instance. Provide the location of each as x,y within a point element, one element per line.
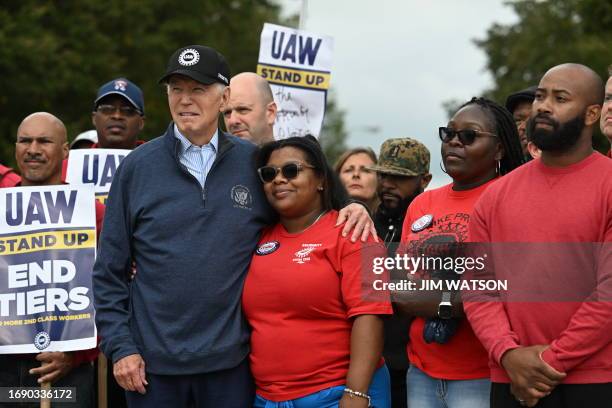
<point>379,391</point>
<point>428,392</point>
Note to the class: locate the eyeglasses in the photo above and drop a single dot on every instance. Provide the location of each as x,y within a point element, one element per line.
<point>466,136</point>
<point>124,110</point>
<point>289,171</point>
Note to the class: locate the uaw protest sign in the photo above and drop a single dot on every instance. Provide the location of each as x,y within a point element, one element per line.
<point>47,252</point>
<point>96,167</point>
<point>297,64</point>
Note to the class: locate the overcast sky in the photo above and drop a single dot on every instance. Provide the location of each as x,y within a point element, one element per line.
<point>397,61</point>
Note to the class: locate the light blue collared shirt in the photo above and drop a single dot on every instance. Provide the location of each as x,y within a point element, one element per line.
<point>197,160</point>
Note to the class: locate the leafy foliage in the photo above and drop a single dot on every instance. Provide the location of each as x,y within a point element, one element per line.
<point>55,54</point>
<point>548,33</point>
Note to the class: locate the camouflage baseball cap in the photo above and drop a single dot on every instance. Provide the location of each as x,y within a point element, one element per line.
<point>402,157</point>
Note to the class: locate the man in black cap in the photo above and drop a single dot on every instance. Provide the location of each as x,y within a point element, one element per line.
<point>519,105</point>
<point>188,209</point>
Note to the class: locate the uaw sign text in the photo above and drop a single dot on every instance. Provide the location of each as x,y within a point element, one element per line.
<point>47,252</point>
<point>96,167</point>
<point>297,64</point>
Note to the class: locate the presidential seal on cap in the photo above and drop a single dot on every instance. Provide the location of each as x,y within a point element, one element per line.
<point>402,157</point>
<point>200,63</point>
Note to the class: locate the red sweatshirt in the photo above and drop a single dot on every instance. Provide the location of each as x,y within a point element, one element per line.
<point>540,204</point>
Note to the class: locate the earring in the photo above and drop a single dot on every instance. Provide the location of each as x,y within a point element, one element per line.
<point>320,188</point>
<point>498,168</point>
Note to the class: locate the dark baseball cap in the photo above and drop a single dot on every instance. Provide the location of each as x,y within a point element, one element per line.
<point>125,88</point>
<point>524,95</point>
<point>200,63</point>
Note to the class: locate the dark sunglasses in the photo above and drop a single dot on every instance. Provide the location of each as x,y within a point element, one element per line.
<point>466,136</point>
<point>289,171</point>
<point>124,110</point>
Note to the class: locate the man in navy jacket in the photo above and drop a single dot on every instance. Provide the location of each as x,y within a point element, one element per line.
<point>188,209</point>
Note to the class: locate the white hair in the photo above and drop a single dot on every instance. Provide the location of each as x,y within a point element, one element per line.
<point>221,87</point>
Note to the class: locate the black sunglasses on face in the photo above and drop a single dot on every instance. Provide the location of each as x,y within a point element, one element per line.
<point>124,110</point>
<point>466,136</point>
<point>289,171</point>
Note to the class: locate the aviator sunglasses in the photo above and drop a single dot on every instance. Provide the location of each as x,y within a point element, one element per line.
<point>466,136</point>
<point>289,171</point>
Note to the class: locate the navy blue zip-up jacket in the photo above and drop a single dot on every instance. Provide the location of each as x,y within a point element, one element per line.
<point>192,248</point>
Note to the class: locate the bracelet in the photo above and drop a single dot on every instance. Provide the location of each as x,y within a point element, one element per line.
<point>354,393</point>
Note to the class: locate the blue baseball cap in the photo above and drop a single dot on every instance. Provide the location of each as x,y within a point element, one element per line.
<point>125,88</point>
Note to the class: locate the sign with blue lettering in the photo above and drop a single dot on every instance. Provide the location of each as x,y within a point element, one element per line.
<point>47,252</point>
<point>94,166</point>
<point>297,64</point>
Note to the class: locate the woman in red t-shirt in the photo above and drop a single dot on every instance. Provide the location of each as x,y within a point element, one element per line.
<point>448,363</point>
<point>316,340</point>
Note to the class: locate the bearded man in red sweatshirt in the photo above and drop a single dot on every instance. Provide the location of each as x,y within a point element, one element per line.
<point>547,352</point>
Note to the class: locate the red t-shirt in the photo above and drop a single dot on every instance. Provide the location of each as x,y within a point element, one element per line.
<point>299,297</point>
<point>540,204</point>
<point>8,178</point>
<point>462,357</point>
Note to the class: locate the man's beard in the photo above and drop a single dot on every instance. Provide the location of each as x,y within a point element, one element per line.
<point>400,210</point>
<point>561,138</point>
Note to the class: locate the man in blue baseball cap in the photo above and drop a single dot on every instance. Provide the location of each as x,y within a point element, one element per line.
<point>118,114</point>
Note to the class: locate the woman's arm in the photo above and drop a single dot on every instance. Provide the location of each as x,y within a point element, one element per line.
<point>366,349</point>
<point>423,303</point>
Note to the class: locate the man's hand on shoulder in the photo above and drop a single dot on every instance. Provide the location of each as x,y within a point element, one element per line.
<point>356,219</point>
<point>129,372</point>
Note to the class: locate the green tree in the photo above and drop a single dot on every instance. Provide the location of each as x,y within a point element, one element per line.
<point>548,32</point>
<point>55,54</point>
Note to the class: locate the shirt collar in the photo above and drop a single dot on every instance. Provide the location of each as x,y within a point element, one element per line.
<point>186,144</point>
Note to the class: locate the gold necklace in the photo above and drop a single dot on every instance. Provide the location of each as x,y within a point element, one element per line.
<point>314,222</point>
